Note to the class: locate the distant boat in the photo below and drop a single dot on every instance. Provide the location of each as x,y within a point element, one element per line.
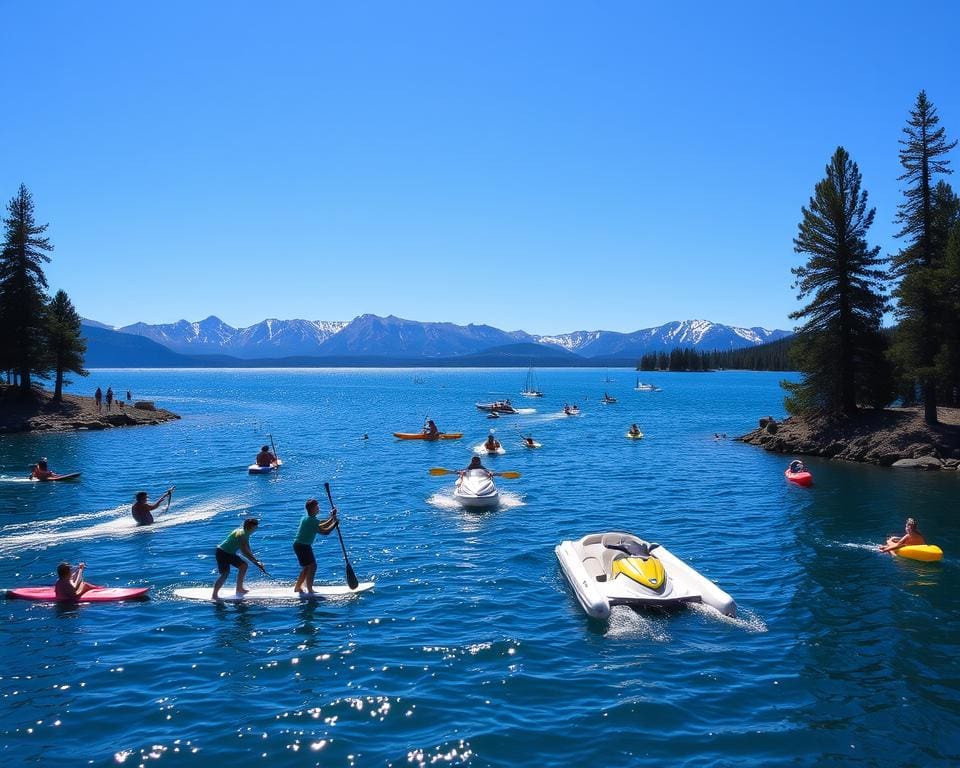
<point>608,399</point>
<point>530,387</point>
<point>641,387</point>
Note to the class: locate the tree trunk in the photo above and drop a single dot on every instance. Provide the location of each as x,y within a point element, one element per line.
<point>930,402</point>
<point>58,388</point>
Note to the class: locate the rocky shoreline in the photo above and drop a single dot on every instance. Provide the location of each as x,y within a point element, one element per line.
<point>893,437</point>
<point>74,413</point>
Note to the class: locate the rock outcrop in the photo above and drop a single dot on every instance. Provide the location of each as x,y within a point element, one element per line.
<point>74,413</point>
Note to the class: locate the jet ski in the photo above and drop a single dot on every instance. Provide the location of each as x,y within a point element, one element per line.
<point>475,489</point>
<point>607,569</point>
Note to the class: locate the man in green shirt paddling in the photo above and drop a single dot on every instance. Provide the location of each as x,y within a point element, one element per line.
<point>310,526</point>
<point>239,539</point>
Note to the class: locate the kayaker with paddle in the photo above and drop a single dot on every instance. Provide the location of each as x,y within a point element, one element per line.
<point>266,457</point>
<point>912,537</point>
<point>797,466</point>
<point>70,584</point>
<point>431,430</point>
<point>239,539</point>
<point>634,429</point>
<point>310,526</point>
<point>492,444</point>
<point>142,508</point>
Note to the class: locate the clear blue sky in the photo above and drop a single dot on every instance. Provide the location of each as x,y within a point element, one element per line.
<point>541,166</point>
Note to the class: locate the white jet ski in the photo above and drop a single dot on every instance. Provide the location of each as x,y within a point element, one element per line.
<point>607,569</point>
<point>475,489</point>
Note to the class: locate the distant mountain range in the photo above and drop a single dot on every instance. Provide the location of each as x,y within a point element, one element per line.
<point>373,340</point>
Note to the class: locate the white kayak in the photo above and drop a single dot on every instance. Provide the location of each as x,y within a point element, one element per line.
<point>475,489</point>
<point>607,569</point>
<point>256,469</point>
<point>272,594</point>
<point>482,450</point>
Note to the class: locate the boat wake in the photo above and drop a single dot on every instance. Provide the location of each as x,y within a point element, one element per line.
<point>116,523</point>
<point>526,411</point>
<point>13,479</point>
<point>746,620</point>
<point>624,622</point>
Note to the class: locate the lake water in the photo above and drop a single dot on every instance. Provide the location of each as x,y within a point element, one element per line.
<point>472,649</point>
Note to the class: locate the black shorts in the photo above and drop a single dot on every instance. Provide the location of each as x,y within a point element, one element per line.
<point>225,560</point>
<point>304,554</point>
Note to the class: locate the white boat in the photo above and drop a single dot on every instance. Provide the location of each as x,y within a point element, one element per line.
<point>530,386</point>
<point>256,469</point>
<point>571,410</point>
<point>475,489</point>
<point>500,406</point>
<point>641,387</point>
<point>607,569</point>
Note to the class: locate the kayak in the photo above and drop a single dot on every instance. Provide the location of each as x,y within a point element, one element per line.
<point>256,469</point>
<point>535,444</point>
<point>475,490</point>
<point>800,478</point>
<point>95,595</point>
<point>484,451</point>
<point>272,594</point>
<point>608,569</point>
<point>632,436</point>
<point>426,436</point>
<point>70,476</point>
<point>928,553</point>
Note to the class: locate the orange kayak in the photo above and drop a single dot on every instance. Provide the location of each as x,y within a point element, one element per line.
<point>426,436</point>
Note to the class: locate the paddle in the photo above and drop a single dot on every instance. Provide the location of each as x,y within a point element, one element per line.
<point>169,496</point>
<point>352,580</point>
<point>442,471</point>
<point>274,451</point>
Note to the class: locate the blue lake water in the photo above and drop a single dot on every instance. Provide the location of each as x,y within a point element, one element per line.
<point>472,650</point>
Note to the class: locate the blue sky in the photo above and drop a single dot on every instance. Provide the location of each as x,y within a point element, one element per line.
<point>536,165</point>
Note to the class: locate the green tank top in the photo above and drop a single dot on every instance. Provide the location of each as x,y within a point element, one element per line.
<point>232,543</point>
<point>307,531</point>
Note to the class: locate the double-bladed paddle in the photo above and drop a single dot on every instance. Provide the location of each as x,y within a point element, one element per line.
<point>442,471</point>
<point>352,580</point>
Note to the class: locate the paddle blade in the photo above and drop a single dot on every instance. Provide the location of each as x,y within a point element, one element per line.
<point>326,487</point>
<point>442,471</point>
<point>508,475</point>
<point>352,580</point>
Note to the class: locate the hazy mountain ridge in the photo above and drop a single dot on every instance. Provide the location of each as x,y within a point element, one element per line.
<point>396,338</point>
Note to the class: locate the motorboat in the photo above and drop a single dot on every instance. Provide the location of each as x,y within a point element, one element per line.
<point>607,569</point>
<point>571,410</point>
<point>641,387</point>
<point>499,406</point>
<point>474,489</point>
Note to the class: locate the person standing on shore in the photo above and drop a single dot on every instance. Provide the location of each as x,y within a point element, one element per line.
<point>142,508</point>
<point>239,539</point>
<point>98,396</point>
<point>109,397</point>
<point>309,527</point>
<point>129,396</point>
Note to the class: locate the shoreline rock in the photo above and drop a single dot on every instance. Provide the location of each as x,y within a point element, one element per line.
<point>75,413</point>
<point>892,437</point>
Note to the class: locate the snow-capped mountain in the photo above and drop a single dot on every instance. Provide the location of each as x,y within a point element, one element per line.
<point>394,337</point>
<point>699,334</point>
<point>269,338</point>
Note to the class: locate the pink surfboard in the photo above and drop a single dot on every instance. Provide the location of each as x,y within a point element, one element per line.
<point>95,595</point>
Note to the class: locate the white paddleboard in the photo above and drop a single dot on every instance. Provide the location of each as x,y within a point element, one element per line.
<point>272,594</point>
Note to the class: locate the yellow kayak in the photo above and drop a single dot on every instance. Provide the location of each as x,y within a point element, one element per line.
<point>638,436</point>
<point>928,553</point>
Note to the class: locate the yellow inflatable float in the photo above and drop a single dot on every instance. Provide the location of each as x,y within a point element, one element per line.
<point>928,553</point>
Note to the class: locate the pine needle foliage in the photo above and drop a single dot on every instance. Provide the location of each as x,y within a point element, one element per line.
<point>65,346</point>
<point>839,349</point>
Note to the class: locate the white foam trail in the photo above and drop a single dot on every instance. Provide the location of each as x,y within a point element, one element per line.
<point>626,622</point>
<point>446,500</point>
<point>526,411</point>
<point>13,479</point>
<point>56,522</point>
<point>747,620</point>
<point>47,533</point>
<point>855,545</point>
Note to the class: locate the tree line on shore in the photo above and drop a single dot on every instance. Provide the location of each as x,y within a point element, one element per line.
<point>772,356</point>
<point>41,334</point>
<point>846,359</point>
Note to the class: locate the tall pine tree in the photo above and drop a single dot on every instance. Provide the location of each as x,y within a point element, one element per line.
<point>920,310</point>
<point>839,349</point>
<point>947,226</point>
<point>65,345</point>
<point>22,296</point>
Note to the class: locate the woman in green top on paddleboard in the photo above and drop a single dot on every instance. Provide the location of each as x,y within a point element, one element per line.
<point>302,545</point>
<point>239,539</point>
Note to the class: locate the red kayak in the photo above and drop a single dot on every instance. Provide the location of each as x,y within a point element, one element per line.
<point>800,478</point>
<point>95,595</point>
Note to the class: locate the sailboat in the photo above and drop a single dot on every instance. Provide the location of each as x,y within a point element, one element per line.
<point>530,386</point>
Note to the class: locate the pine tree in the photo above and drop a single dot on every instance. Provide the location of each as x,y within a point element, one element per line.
<point>65,345</point>
<point>919,310</point>
<point>839,349</point>
<point>947,218</point>
<point>22,286</point>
